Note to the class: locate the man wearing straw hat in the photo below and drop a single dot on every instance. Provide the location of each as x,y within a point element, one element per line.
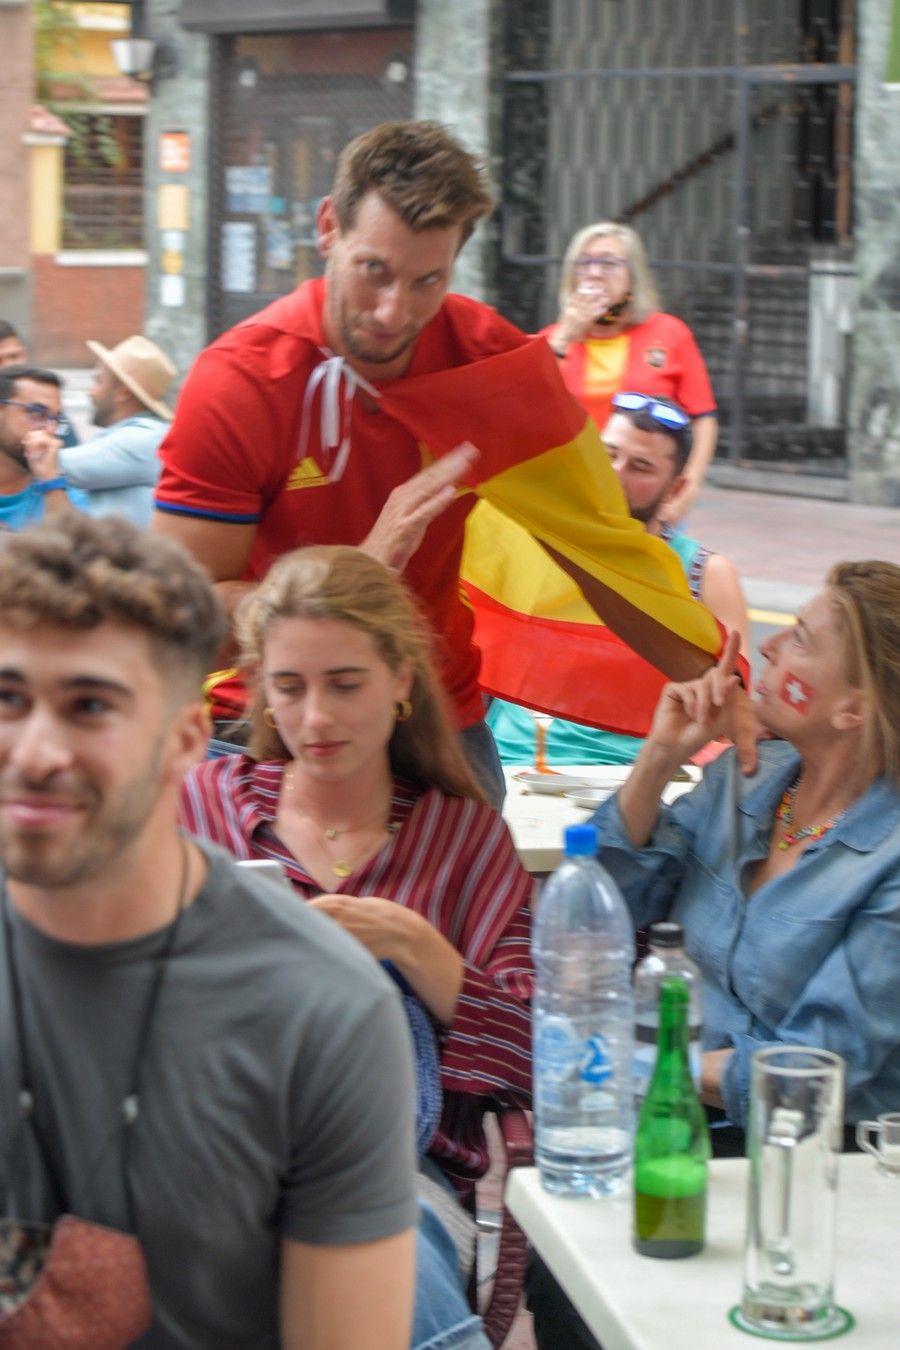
<point>119,467</point>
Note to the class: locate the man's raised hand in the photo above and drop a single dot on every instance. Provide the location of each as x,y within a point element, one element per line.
<point>412,506</point>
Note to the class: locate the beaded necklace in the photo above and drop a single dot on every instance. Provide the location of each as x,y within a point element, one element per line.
<point>785,813</point>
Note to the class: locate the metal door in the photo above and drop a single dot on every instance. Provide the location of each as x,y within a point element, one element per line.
<point>285,106</point>
<point>722,131</point>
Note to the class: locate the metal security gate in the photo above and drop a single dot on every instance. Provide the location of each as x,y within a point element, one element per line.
<point>285,105</point>
<point>722,131</point>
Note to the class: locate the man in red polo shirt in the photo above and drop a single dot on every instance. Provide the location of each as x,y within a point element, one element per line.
<point>278,440</point>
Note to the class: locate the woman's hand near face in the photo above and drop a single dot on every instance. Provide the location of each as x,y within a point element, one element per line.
<point>581,312</point>
<point>432,967</point>
<point>687,716</point>
<point>690,714</point>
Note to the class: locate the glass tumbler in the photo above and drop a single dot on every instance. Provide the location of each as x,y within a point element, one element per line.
<point>794,1136</point>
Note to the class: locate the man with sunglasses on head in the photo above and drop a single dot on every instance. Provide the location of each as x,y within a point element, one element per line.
<point>31,486</point>
<point>649,441</point>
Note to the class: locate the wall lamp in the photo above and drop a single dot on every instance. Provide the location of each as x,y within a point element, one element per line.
<point>144,59</point>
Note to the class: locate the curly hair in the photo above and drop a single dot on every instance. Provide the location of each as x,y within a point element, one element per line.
<point>420,172</point>
<point>867,595</point>
<point>333,581</point>
<point>76,572</point>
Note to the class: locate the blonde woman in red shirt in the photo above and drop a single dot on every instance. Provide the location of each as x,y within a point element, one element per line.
<point>611,335</point>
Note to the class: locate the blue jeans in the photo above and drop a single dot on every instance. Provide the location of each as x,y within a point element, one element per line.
<point>480,750</point>
<point>442,1319</point>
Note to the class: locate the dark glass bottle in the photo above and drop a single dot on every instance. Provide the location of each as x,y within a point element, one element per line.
<point>671,1147</point>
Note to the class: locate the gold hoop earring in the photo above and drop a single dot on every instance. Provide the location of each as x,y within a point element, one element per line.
<point>269,718</point>
<point>403,710</point>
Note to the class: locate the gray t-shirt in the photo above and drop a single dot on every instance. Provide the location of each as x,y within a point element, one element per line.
<point>276,1098</point>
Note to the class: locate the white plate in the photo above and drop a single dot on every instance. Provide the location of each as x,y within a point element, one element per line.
<point>590,798</point>
<point>557,783</point>
<point>607,776</point>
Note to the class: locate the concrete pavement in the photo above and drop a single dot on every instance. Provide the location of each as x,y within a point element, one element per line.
<point>783,546</point>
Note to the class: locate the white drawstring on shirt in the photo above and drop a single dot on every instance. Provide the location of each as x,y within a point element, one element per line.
<point>332,374</point>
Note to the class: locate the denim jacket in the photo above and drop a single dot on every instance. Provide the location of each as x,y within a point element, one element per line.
<point>813,957</point>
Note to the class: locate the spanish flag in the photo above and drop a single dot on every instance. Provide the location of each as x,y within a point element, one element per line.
<point>544,475</point>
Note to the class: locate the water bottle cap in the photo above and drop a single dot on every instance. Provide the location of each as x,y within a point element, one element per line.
<point>580,841</point>
<point>666,935</point>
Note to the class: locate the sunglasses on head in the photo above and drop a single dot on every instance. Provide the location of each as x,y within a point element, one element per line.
<point>666,414</point>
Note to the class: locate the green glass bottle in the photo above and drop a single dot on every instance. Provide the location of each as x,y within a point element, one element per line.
<point>671,1147</point>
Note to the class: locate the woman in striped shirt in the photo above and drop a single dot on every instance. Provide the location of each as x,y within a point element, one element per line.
<point>356,785</point>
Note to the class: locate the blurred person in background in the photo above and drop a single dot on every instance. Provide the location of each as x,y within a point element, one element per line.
<point>118,468</point>
<point>13,352</point>
<point>31,484</point>
<point>611,335</point>
<point>12,349</point>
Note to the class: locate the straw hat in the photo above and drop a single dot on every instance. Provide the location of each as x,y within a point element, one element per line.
<point>143,368</point>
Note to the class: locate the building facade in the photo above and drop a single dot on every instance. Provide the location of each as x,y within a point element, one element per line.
<point>72,260</point>
<point>749,141</point>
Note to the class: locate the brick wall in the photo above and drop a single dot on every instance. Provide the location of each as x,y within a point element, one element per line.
<point>71,304</point>
<point>15,105</point>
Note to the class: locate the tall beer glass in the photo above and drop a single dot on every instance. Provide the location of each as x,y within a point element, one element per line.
<point>794,1135</point>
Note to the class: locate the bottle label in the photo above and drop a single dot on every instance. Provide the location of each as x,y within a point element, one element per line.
<point>596,1065</point>
<point>561,1054</point>
<point>556,1049</point>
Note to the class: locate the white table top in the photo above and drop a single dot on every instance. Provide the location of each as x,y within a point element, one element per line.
<point>537,820</point>
<point>633,1302</point>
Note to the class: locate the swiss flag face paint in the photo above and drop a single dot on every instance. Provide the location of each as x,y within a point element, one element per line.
<point>796,692</point>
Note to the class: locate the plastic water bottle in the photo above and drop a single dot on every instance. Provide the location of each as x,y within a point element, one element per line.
<point>583,1015</point>
<point>665,957</point>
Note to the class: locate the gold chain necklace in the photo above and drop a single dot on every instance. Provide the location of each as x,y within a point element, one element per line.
<point>341,867</point>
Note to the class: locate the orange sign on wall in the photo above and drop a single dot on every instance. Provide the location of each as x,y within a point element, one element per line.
<point>175,151</point>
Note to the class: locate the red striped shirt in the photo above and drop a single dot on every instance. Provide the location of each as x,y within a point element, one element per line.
<point>450,860</point>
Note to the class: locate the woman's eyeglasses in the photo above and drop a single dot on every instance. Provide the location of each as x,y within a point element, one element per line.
<point>666,414</point>
<point>606,262</point>
<point>36,411</point>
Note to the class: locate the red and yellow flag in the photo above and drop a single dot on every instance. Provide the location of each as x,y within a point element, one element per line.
<point>543,475</point>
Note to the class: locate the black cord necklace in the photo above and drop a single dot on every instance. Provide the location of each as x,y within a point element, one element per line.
<point>129,1107</point>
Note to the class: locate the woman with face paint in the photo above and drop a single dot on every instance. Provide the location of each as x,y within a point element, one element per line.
<point>787,883</point>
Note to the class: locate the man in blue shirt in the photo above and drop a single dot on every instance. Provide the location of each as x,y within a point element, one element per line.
<point>119,467</point>
<point>31,485</point>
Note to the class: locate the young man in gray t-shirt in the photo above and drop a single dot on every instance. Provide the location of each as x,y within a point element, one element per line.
<point>213,1067</point>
